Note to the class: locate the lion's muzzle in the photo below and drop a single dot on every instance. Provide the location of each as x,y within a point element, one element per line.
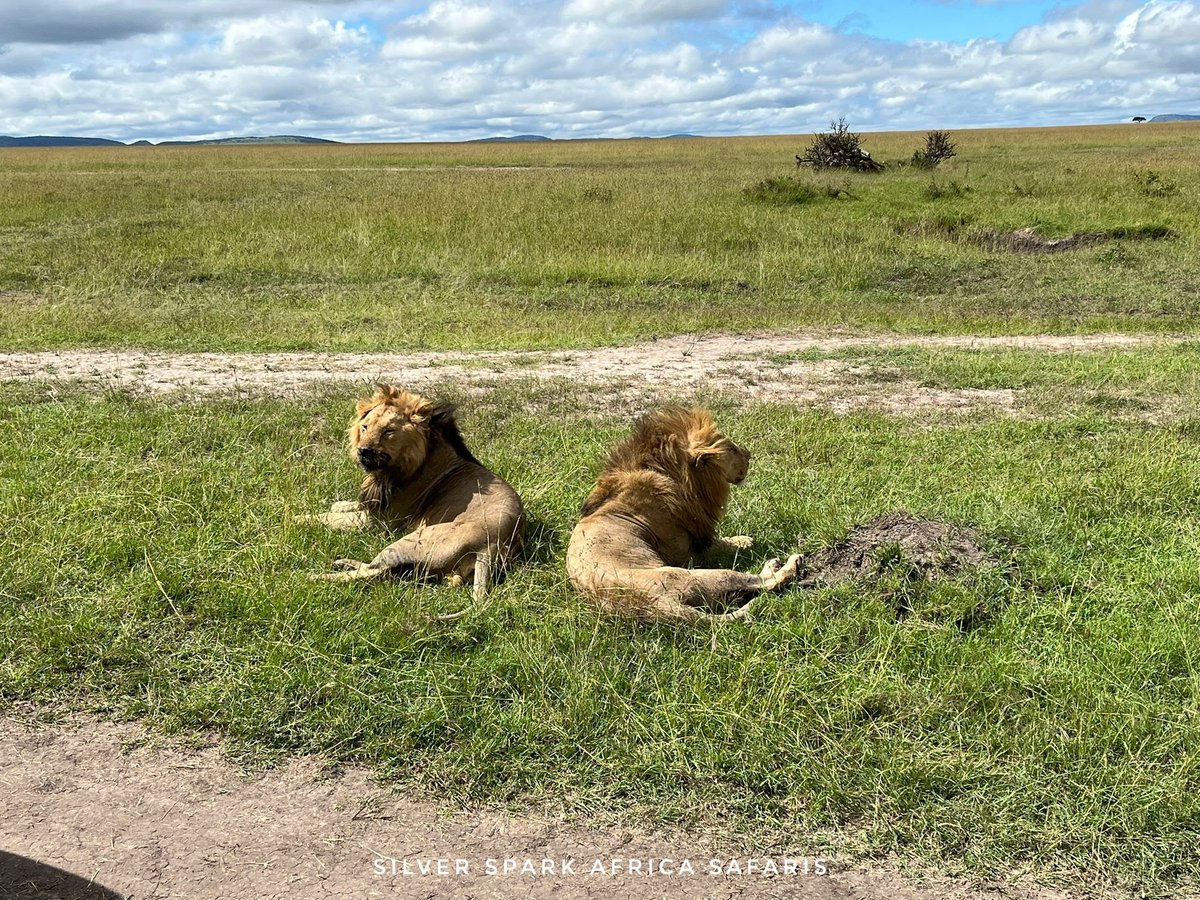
<point>371,459</point>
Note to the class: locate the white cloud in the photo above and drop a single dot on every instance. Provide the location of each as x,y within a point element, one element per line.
<point>450,69</point>
<point>644,11</point>
<point>1070,36</point>
<point>289,40</point>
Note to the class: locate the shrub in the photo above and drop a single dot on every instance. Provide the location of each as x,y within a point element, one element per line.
<point>1152,184</point>
<point>938,147</point>
<point>840,148</point>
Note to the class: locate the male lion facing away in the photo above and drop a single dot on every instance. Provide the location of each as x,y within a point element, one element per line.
<point>655,507</point>
<point>462,521</point>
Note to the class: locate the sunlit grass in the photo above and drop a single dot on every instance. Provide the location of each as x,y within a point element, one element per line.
<point>1041,716</point>
<point>390,246</point>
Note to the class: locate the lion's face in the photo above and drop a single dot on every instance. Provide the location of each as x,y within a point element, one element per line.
<point>390,431</point>
<point>733,460</point>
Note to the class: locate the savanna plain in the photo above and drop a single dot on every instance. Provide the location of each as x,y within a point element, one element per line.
<point>1039,717</point>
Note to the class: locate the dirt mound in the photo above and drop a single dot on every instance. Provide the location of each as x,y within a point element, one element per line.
<point>1026,240</point>
<point>928,549</point>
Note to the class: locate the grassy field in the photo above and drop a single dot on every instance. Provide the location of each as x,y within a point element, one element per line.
<point>570,244</point>
<point>1041,717</point>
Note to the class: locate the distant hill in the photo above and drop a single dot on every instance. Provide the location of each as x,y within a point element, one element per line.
<point>1172,117</point>
<point>43,140</point>
<point>509,140</point>
<point>533,138</point>
<point>271,139</point>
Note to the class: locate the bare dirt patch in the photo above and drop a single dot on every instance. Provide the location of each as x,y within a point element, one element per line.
<point>1028,240</point>
<point>755,366</point>
<point>95,801</point>
<point>932,550</point>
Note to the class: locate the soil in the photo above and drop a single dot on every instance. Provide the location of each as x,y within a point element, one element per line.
<point>91,809</point>
<point>755,366</point>
<point>1026,240</point>
<point>932,550</point>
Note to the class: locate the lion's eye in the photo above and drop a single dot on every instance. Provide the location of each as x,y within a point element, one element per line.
<point>364,426</point>
<point>389,432</point>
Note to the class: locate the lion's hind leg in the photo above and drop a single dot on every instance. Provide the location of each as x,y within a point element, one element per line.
<point>483,576</point>
<point>691,595</point>
<point>434,551</point>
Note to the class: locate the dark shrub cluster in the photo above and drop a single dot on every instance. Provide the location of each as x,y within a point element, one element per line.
<point>839,148</point>
<point>938,147</point>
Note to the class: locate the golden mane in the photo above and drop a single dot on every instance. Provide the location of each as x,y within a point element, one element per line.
<point>674,446</point>
<point>436,417</point>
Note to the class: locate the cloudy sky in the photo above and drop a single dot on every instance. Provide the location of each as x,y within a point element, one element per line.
<point>459,69</point>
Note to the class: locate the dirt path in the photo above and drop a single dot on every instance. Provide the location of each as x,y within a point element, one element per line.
<point>751,365</point>
<point>91,802</point>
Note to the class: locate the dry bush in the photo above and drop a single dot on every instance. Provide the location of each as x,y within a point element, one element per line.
<point>839,148</point>
<point>938,147</point>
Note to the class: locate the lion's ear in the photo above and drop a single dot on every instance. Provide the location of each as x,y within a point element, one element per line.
<point>424,412</point>
<point>442,414</point>
<point>700,449</point>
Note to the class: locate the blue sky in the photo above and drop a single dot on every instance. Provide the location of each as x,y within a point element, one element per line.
<point>928,20</point>
<point>373,70</point>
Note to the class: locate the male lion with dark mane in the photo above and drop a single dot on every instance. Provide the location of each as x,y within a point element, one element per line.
<point>462,520</point>
<point>654,509</point>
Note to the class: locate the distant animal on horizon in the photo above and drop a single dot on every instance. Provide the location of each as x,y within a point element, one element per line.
<point>463,522</point>
<point>655,508</point>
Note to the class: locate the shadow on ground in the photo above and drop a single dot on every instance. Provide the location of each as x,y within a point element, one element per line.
<point>22,878</point>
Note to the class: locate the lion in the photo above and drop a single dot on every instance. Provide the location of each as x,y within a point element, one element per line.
<point>655,509</point>
<point>462,521</point>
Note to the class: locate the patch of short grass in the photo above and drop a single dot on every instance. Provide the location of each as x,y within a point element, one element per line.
<point>1043,716</point>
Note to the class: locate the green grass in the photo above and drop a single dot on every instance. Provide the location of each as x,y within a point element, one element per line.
<point>1039,717</point>
<point>578,243</point>
<point>1042,717</point>
<point>1156,383</point>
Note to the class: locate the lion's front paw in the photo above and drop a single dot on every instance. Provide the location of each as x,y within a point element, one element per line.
<point>347,565</point>
<point>770,567</point>
<point>740,541</point>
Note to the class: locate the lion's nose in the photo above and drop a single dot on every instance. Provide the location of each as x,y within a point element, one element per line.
<point>369,458</point>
